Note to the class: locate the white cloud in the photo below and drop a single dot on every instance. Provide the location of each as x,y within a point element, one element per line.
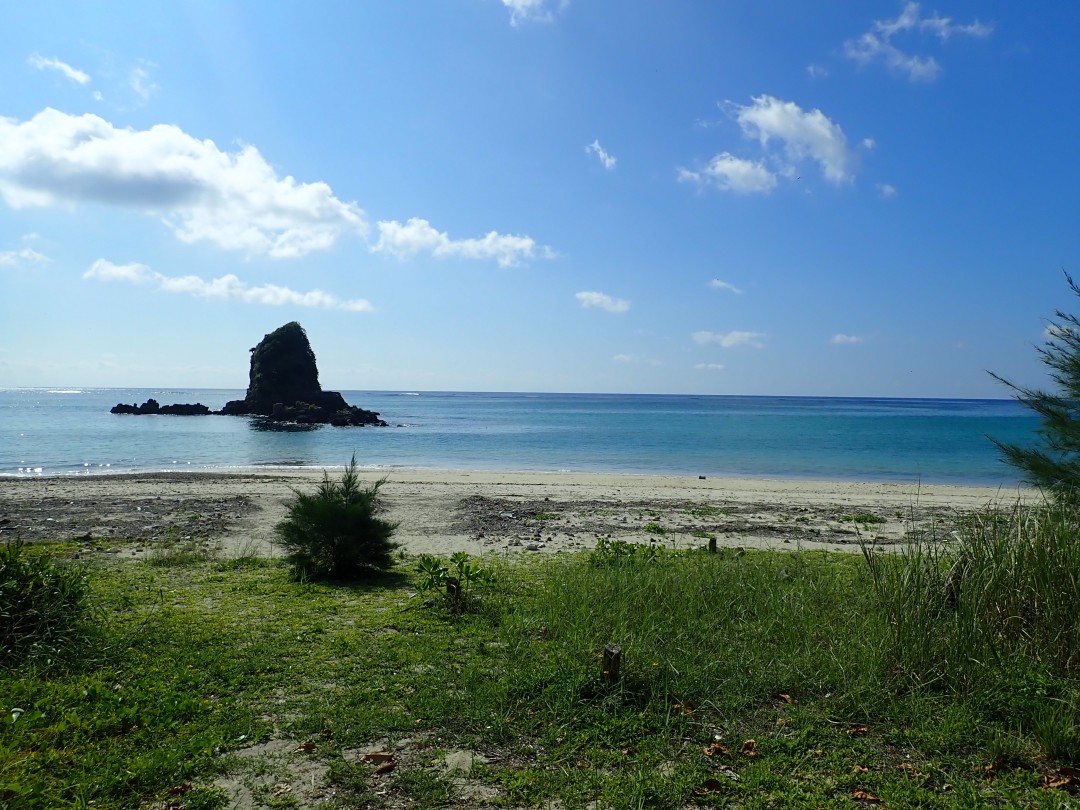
<point>868,144</point>
<point>133,273</point>
<point>845,340</point>
<point>39,62</point>
<point>729,340</point>
<point>601,301</point>
<point>637,358</point>
<point>817,71</point>
<point>139,80</point>
<point>418,236</point>
<point>886,190</point>
<point>18,258</point>
<point>717,284</point>
<point>803,134</point>
<point>606,159</point>
<point>710,366</point>
<point>877,45</point>
<point>97,96</point>
<point>227,287</point>
<point>730,173</point>
<point>234,200</point>
<point>523,11</point>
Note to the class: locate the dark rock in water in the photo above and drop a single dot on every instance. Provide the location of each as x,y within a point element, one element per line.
<point>151,406</point>
<point>185,409</point>
<point>283,387</point>
<point>282,370</point>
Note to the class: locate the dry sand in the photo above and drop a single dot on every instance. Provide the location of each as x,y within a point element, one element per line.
<point>441,512</point>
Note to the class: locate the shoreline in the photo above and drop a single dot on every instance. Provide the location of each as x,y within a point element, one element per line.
<point>444,511</point>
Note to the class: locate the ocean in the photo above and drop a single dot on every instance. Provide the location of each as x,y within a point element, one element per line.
<point>69,431</point>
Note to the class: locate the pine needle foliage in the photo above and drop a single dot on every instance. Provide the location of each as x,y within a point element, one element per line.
<point>1054,463</point>
<point>335,533</point>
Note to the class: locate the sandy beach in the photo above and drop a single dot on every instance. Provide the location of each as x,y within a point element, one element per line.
<point>441,512</point>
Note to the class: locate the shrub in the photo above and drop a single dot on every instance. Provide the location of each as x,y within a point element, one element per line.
<point>43,605</point>
<point>335,533</point>
<point>452,582</point>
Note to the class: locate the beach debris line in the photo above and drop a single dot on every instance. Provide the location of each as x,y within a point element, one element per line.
<point>283,386</point>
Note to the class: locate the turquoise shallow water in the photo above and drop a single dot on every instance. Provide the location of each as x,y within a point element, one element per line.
<point>70,431</point>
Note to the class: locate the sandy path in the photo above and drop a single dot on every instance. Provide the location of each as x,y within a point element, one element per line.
<point>441,512</point>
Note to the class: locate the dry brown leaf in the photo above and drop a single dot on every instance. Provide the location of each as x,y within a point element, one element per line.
<point>626,751</point>
<point>306,747</point>
<point>683,708</point>
<point>1064,778</point>
<point>749,748</point>
<point>582,764</point>
<point>717,748</point>
<point>783,721</point>
<point>376,758</point>
<point>709,786</point>
<point>180,790</point>
<point>864,796</point>
<point>858,730</point>
<point>282,788</point>
<point>386,767</point>
<point>990,771</point>
<point>786,698</point>
<point>909,769</point>
<point>861,769</point>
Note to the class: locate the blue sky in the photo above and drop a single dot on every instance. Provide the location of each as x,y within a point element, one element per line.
<point>839,199</point>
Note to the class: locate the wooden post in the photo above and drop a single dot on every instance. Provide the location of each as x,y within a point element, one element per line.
<point>612,658</point>
<point>712,545</point>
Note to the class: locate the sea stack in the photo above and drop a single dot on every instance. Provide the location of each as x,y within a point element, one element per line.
<point>283,385</point>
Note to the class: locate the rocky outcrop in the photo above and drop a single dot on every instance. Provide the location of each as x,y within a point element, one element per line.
<point>282,370</point>
<point>283,386</point>
<point>151,406</point>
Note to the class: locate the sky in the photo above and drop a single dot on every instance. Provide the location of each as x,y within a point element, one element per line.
<point>744,197</point>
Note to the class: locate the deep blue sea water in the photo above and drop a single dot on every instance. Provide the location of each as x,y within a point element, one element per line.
<point>70,431</point>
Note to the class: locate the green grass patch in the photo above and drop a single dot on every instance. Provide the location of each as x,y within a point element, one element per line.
<point>654,528</point>
<point>710,511</point>
<point>865,518</point>
<point>751,679</point>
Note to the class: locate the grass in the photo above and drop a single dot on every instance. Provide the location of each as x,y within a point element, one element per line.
<point>748,679</point>
<point>863,518</point>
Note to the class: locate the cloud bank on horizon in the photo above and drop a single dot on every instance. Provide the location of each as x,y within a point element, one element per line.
<point>787,195</point>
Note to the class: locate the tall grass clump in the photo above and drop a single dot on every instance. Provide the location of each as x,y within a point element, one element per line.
<point>1001,600</point>
<point>335,533</point>
<point>43,606</point>
<point>729,630</point>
